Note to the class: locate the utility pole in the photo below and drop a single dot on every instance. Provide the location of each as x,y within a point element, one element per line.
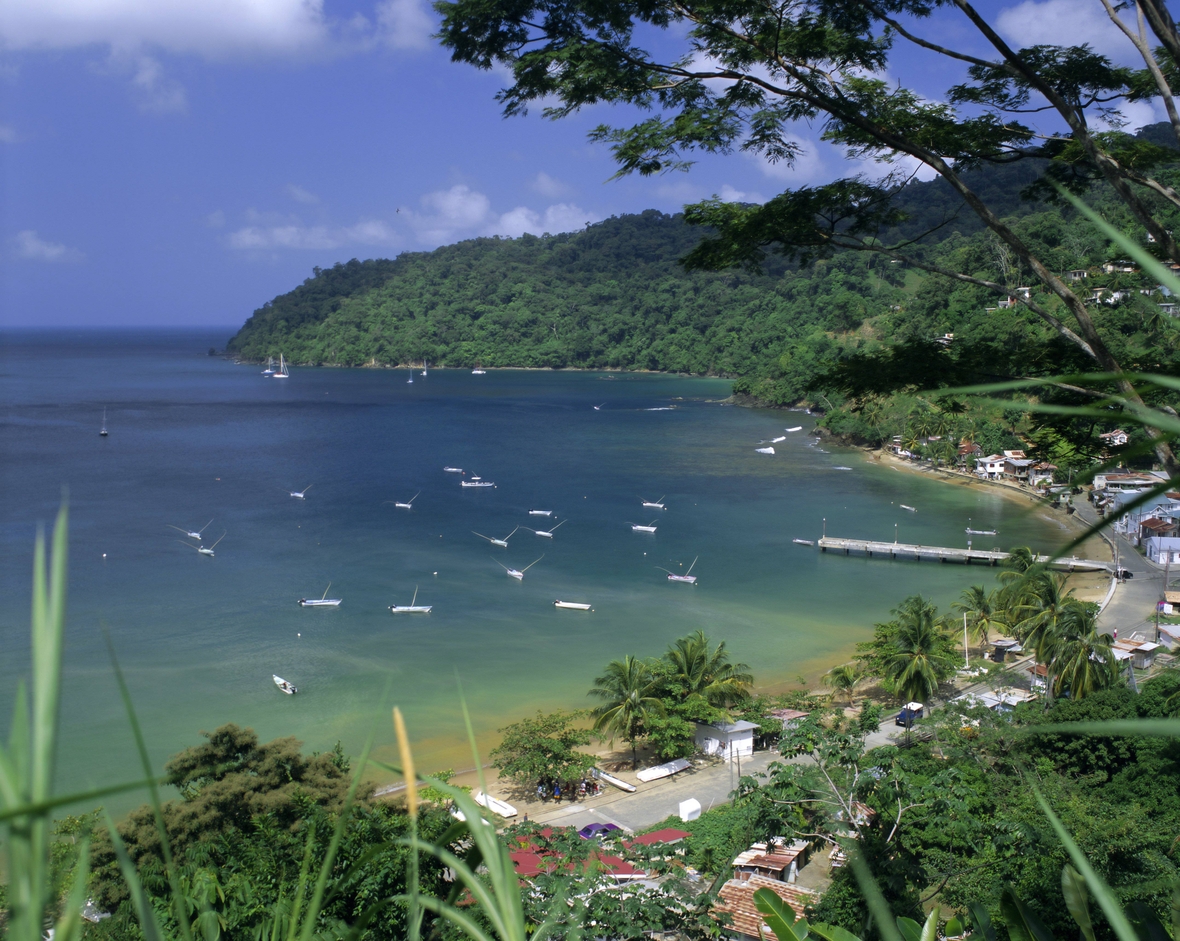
<point>966,658</point>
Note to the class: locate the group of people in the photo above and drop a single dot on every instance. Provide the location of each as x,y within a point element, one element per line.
<point>549,789</point>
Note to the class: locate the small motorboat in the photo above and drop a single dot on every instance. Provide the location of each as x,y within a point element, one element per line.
<point>778,439</point>
<point>688,578</point>
<point>453,470</point>
<point>496,806</point>
<point>803,542</point>
<point>286,687</point>
<point>796,428</point>
<point>518,574</point>
<point>413,607</point>
<point>982,532</point>
<point>474,482</point>
<point>841,467</point>
<point>479,372</point>
<point>540,512</point>
<point>639,528</point>
<point>905,506</point>
<point>548,533</point>
<point>654,504</point>
<point>324,602</point>
<point>765,450</point>
<point>572,605</point>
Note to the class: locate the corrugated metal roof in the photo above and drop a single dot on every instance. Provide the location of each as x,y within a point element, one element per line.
<point>736,898</point>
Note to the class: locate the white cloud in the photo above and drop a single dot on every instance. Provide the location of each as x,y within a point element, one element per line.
<point>1065,23</point>
<point>546,185</point>
<point>404,24</point>
<point>153,90</point>
<point>300,195</point>
<point>294,235</point>
<point>30,246</point>
<point>208,27</point>
<point>731,195</point>
<point>561,217</point>
<point>449,214</point>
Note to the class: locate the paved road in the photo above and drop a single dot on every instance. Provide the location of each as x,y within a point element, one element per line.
<point>1131,607</point>
<point>710,784</point>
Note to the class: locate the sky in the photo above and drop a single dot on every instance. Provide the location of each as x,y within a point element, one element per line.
<point>180,162</point>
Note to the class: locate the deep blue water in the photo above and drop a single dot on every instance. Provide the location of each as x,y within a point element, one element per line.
<point>194,437</point>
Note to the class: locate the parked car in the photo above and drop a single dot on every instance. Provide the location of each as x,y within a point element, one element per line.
<point>910,713</point>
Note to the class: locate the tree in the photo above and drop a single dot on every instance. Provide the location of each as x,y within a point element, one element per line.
<point>1081,661</point>
<point>627,690</point>
<point>982,609</point>
<point>698,671</point>
<point>741,76</point>
<point>544,747</point>
<point>914,652</point>
<point>843,679</point>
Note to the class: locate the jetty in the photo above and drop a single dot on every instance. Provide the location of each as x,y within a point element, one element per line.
<point>903,550</point>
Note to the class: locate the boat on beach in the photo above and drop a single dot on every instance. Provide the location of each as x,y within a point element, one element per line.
<point>282,684</point>
<point>495,805</point>
<point>413,607</point>
<point>665,770</point>
<point>612,780</point>
<point>324,602</point>
<point>572,605</point>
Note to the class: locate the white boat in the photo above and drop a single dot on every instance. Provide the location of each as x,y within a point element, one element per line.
<point>649,528</point>
<point>412,607</point>
<point>765,450</point>
<point>687,577</point>
<point>654,504</point>
<point>410,381</point>
<point>572,605</point>
<point>982,532</point>
<point>612,780</point>
<point>282,684</point>
<point>540,512</point>
<point>796,428</point>
<point>409,504</point>
<point>203,550</point>
<point>453,470</point>
<point>778,439</point>
<point>662,408</point>
<point>498,542</point>
<point>103,430</point>
<point>282,371</point>
<point>495,805</point>
<point>841,467</point>
<point>665,770</point>
<point>324,602</point>
<point>479,372</point>
<point>476,483</point>
<point>518,574</point>
<point>270,366</point>
<point>907,507</point>
<point>548,533</point>
<point>424,367</point>
<point>188,532</point>
<point>803,542</point>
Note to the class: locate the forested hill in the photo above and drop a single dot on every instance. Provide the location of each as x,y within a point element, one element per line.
<point>614,296</point>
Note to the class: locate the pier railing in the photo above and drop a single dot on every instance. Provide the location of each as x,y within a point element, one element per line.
<point>905,550</point>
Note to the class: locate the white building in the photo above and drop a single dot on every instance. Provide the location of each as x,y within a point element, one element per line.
<point>727,740</point>
<point>1162,549</point>
<point>991,467</point>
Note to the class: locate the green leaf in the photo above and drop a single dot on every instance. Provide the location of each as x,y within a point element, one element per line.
<point>780,916</point>
<point>872,895</point>
<point>832,932</point>
<point>982,921</point>
<point>954,927</point>
<point>910,929</point>
<point>143,908</point>
<point>1077,900</point>
<point>1022,924</point>
<point>1165,727</point>
<point>930,929</point>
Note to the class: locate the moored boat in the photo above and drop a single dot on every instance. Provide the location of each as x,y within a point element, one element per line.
<point>765,450</point>
<point>572,605</point>
<point>476,483</point>
<point>282,684</point>
<point>324,602</point>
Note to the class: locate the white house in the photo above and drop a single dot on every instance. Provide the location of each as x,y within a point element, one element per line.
<point>1116,438</point>
<point>1162,549</point>
<point>991,466</point>
<point>727,740</point>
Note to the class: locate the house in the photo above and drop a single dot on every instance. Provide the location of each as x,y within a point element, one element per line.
<point>665,836</point>
<point>1116,481</point>
<point>736,899</point>
<point>1141,653</point>
<point>1041,474</point>
<point>1162,550</point>
<point>1114,439</point>
<point>1170,635</point>
<point>1122,265</point>
<point>969,449</point>
<point>1076,274</point>
<point>790,717</point>
<point>1001,648</point>
<point>772,861</point>
<point>727,740</point>
<point>1017,468</point>
<point>945,340</point>
<point>1168,308</point>
<point>990,467</point>
<point>1158,527</point>
<point>1038,675</point>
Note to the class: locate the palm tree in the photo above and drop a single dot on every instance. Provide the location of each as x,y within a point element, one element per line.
<point>708,674</point>
<point>843,679</point>
<point>626,690</point>
<point>983,612</point>
<point>1081,660</point>
<point>921,652</point>
<point>1039,611</point>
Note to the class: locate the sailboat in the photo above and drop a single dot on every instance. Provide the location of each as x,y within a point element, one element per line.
<point>649,528</point>
<point>270,366</point>
<point>518,574</point>
<point>654,504</point>
<point>282,684</point>
<point>687,577</point>
<point>409,504</point>
<point>324,602</point>
<point>499,542</point>
<point>103,430</point>
<point>282,373</point>
<point>549,532</point>
<point>477,371</point>
<point>412,607</point>
<point>424,365</point>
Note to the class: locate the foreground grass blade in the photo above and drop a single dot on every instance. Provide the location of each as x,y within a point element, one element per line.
<point>878,907</point>
<point>1100,890</point>
<point>143,908</point>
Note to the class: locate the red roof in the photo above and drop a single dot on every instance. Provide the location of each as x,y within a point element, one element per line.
<point>737,899</point>
<point>660,836</point>
<point>787,714</point>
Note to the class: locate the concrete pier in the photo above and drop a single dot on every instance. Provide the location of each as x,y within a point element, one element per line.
<point>903,550</point>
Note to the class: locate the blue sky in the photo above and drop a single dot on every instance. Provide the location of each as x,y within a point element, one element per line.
<point>174,162</point>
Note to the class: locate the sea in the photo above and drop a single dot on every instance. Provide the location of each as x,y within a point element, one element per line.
<point>197,442</point>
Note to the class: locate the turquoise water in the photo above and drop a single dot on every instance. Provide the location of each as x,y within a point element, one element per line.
<point>194,437</point>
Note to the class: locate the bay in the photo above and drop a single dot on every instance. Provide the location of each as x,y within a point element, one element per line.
<point>194,437</point>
